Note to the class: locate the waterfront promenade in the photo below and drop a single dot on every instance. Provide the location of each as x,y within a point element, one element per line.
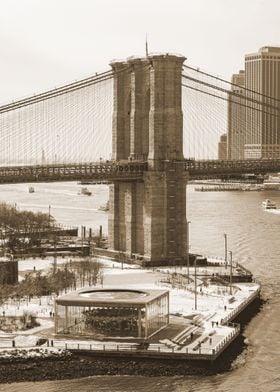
<point>201,333</point>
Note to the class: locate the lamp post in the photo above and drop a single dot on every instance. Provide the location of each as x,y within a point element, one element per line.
<point>49,215</point>
<point>230,276</point>
<point>195,286</point>
<point>188,250</point>
<point>225,237</point>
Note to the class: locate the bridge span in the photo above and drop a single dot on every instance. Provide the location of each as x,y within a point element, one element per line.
<point>130,171</point>
<point>147,197</point>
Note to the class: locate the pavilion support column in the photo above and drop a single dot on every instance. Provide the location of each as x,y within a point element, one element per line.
<point>146,321</point>
<point>55,318</point>
<point>66,318</point>
<point>168,308</point>
<point>139,323</point>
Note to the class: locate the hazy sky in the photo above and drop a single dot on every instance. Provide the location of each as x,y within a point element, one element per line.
<point>45,43</point>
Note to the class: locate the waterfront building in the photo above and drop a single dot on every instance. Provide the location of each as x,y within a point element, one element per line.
<point>100,313</point>
<point>262,74</point>
<point>222,147</point>
<point>236,117</point>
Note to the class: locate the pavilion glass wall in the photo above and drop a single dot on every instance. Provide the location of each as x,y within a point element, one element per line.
<point>109,321</point>
<point>157,314</point>
<point>113,321</point>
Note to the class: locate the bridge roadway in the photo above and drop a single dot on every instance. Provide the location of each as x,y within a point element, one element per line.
<point>109,171</point>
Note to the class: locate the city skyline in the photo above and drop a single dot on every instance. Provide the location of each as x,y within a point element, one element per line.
<point>253,127</point>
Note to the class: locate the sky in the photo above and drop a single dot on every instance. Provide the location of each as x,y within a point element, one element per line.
<point>47,43</point>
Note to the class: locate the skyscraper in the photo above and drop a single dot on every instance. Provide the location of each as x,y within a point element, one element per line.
<point>236,118</point>
<point>262,74</point>
<point>222,147</point>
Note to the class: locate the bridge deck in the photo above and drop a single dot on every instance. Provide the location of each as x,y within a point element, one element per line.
<point>110,171</point>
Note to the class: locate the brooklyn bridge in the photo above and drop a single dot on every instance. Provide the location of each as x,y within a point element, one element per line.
<point>147,126</point>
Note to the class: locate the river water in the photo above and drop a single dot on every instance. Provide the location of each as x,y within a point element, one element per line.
<point>253,237</point>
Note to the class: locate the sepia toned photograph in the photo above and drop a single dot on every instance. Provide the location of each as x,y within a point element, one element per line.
<point>139,196</point>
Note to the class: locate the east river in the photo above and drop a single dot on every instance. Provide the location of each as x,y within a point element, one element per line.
<point>253,237</point>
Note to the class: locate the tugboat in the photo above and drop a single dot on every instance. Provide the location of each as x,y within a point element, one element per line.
<point>269,205</point>
<point>104,207</point>
<point>85,191</point>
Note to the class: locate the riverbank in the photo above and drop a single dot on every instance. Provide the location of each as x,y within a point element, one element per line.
<point>68,365</point>
<point>78,367</point>
<point>75,366</point>
<point>217,304</point>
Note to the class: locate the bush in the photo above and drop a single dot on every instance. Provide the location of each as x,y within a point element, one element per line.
<point>28,320</point>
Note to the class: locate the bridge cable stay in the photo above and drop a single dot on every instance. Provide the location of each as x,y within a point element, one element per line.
<point>230,100</point>
<point>212,111</point>
<point>231,93</point>
<point>213,106</point>
<point>244,122</point>
<point>204,122</point>
<point>68,124</point>
<point>55,92</point>
<point>57,129</point>
<point>208,122</point>
<point>254,92</point>
<point>205,118</point>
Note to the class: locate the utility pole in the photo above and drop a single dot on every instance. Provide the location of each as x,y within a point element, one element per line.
<point>49,215</point>
<point>230,276</point>
<point>55,254</point>
<point>225,237</point>
<point>195,285</point>
<point>188,250</point>
<point>82,240</point>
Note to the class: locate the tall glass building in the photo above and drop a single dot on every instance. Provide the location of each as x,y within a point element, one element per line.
<point>236,117</point>
<point>262,75</point>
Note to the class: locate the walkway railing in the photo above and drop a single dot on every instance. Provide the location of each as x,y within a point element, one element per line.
<point>157,349</point>
<point>240,308</point>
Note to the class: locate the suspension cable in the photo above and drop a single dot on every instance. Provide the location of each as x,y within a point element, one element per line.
<point>230,83</point>
<point>228,100</point>
<point>230,92</point>
<point>61,90</point>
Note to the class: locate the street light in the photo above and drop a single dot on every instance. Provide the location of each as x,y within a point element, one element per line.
<point>188,250</point>
<point>225,237</point>
<point>49,215</point>
<point>230,276</point>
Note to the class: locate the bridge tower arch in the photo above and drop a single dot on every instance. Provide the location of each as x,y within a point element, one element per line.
<point>148,218</point>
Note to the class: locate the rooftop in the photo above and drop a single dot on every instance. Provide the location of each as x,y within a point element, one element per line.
<point>114,297</point>
<point>265,50</point>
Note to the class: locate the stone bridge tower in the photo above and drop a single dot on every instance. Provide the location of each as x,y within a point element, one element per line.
<point>148,218</point>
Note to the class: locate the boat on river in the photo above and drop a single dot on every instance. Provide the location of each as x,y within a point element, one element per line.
<point>269,204</point>
<point>84,191</point>
<point>104,207</point>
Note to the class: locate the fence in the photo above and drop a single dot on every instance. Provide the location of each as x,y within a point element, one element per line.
<point>239,308</point>
<point>153,350</point>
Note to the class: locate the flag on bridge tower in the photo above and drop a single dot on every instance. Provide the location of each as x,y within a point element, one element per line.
<point>147,46</point>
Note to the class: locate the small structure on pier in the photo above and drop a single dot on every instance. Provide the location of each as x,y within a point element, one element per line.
<point>8,271</point>
<point>100,313</point>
